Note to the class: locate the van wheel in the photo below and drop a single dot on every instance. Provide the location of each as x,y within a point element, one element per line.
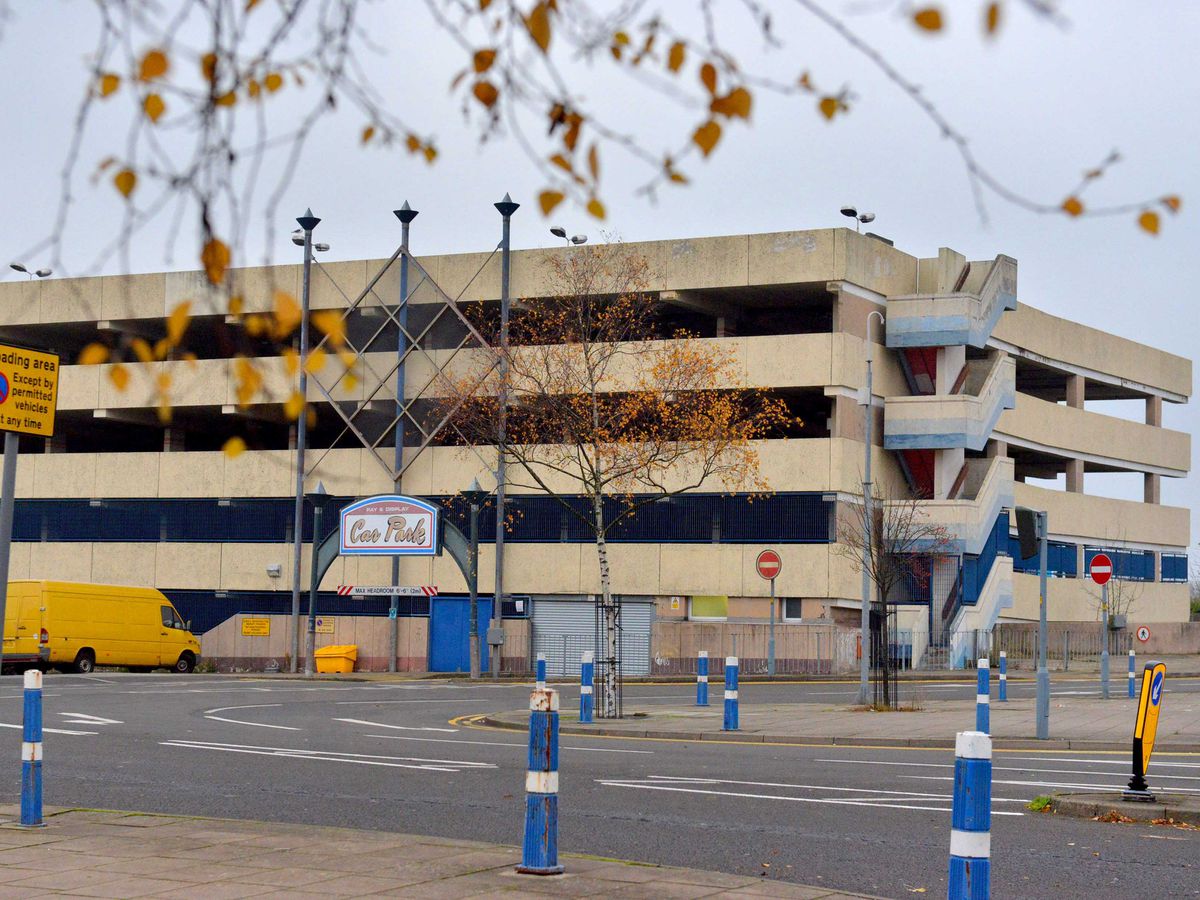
<point>185,664</point>
<point>85,662</point>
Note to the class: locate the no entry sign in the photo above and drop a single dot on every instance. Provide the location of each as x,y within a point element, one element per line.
<point>1101,568</point>
<point>768,564</point>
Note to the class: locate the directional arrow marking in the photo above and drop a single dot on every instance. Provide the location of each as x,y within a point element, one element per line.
<point>86,719</point>
<point>396,727</point>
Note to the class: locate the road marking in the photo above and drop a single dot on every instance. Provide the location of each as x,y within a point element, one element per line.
<point>995,768</point>
<point>380,702</point>
<point>894,802</point>
<point>1110,762</point>
<point>402,737</point>
<point>208,715</point>
<point>1057,784</point>
<point>85,719</point>
<point>397,727</point>
<point>51,730</point>
<point>362,759</point>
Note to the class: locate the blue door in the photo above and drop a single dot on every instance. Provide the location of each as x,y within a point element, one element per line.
<point>449,633</point>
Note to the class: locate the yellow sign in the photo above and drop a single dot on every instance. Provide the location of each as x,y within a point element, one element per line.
<point>256,627</point>
<point>324,625</point>
<point>28,390</point>
<point>1154,676</point>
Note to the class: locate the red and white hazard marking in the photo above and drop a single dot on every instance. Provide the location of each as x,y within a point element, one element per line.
<point>768,564</point>
<point>1101,568</point>
<point>423,590</point>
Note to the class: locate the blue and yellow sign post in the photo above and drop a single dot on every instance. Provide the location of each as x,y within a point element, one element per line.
<point>1154,676</point>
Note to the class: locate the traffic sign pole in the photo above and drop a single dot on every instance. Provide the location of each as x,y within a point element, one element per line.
<point>1104,640</point>
<point>771,639</point>
<point>769,564</point>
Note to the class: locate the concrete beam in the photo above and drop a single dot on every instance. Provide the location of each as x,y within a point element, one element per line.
<point>696,302</point>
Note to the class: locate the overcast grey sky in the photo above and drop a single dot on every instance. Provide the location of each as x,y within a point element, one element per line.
<point>1041,104</point>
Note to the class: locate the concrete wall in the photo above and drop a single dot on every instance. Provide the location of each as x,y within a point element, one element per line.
<point>1077,600</point>
<point>229,649</point>
<point>799,648</point>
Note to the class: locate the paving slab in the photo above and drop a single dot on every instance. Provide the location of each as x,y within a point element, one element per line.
<point>89,853</point>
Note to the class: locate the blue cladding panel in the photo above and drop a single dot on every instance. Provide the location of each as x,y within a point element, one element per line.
<point>1061,559</point>
<point>1131,565</point>
<point>1174,567</point>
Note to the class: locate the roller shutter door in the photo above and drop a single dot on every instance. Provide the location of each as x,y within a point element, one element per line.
<point>563,627</point>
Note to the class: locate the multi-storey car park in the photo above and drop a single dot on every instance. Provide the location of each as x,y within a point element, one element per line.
<point>978,394</point>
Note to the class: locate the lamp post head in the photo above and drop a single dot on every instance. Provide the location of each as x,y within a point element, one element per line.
<point>507,207</point>
<point>308,221</point>
<point>578,239</point>
<point>44,273</point>
<point>559,232</point>
<point>18,267</point>
<point>405,213</point>
<point>475,495</point>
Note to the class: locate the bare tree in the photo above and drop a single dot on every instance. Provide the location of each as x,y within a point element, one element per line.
<point>603,411</point>
<point>898,550</point>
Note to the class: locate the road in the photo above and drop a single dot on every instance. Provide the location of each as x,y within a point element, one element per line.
<point>388,756</point>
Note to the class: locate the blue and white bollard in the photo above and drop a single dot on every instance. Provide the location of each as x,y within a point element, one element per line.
<point>702,679</point>
<point>971,818</point>
<point>539,853</point>
<point>983,698</point>
<point>541,673</point>
<point>587,699</point>
<point>1131,674</point>
<point>31,752</point>
<point>731,694</point>
<point>1003,677</point>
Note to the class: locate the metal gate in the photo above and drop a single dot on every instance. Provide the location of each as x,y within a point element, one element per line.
<point>563,627</point>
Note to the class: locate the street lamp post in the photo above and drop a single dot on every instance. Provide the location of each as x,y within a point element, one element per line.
<point>307,222</point>
<point>864,662</point>
<point>405,214</point>
<point>506,208</point>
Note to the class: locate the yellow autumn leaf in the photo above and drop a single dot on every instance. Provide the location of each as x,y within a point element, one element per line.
<point>430,152</point>
<point>991,18</point>
<point>250,4</point>
<point>549,200</point>
<point>154,107</point>
<point>234,447</point>
<point>126,181</point>
<point>119,376</point>
<point>273,82</point>
<point>829,107</point>
<point>594,162</point>
<point>287,314</point>
<point>253,88</point>
<point>316,361</point>
<point>255,326</point>
<point>1073,206</point>
<point>596,208</point>
<point>485,92</point>
<point>163,382</point>
<point>92,355</point>
<point>483,59</point>
<point>208,67</point>
<point>734,104</point>
<point>227,99</point>
<point>294,406</point>
<point>164,411</point>
<point>310,418</point>
<point>368,133</point>
<point>708,77</point>
<point>109,83</point>
<point>413,143</point>
<point>215,259</point>
<point>177,323</point>
<point>141,349</point>
<point>331,324</point>
<point>538,24</point>
<point>236,305</point>
<point>161,348</point>
<point>1148,221</point>
<point>349,381</point>
<point>291,361</point>
<point>154,65</point>
<point>928,19</point>
<point>1173,203</point>
<point>676,56</point>
<point>706,136</point>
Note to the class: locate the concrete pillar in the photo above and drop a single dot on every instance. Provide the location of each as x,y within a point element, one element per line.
<point>848,420</point>
<point>1075,476</point>
<point>996,448</point>
<point>1076,390</point>
<point>292,436</point>
<point>1154,411</point>
<point>950,265</point>
<point>946,466</point>
<point>56,444</point>
<point>950,361</point>
<point>1152,488</point>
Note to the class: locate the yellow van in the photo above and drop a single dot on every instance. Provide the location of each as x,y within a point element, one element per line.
<point>80,626</point>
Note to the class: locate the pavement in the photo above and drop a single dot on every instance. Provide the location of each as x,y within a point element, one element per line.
<point>103,853</point>
<point>1165,809</point>
<point>1076,723</point>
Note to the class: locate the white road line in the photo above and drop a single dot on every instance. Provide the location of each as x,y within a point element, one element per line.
<point>400,737</point>
<point>397,727</point>
<point>86,719</point>
<point>1159,762</point>
<point>208,715</point>
<point>786,784</point>
<point>995,768</point>
<point>380,702</point>
<point>365,759</point>
<point>1058,784</point>
<point>838,801</point>
<point>51,730</point>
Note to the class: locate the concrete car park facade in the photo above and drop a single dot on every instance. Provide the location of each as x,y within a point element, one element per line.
<point>978,395</point>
